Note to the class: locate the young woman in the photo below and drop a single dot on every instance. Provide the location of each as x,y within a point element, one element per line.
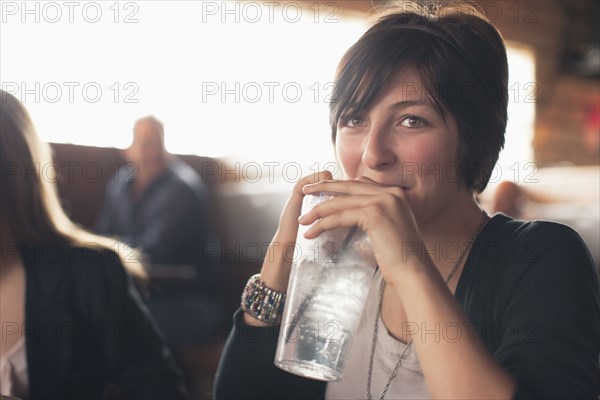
<point>463,306</point>
<point>73,326</point>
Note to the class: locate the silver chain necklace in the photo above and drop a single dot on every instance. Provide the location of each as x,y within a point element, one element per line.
<point>394,372</point>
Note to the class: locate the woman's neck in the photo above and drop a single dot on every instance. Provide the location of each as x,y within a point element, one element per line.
<point>446,233</point>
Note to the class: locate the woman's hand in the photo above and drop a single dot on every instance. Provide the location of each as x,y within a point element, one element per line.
<point>383,212</point>
<point>276,268</point>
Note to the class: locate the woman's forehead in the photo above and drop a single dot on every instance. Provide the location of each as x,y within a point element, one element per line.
<point>404,89</point>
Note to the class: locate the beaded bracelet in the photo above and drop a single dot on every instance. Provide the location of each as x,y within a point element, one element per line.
<point>262,303</point>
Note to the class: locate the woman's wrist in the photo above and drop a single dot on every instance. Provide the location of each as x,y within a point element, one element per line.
<point>276,268</point>
<point>262,305</point>
<point>412,270</point>
<point>251,321</point>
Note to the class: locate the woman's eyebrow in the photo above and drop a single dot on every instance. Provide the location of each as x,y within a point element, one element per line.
<point>397,106</point>
<point>410,103</point>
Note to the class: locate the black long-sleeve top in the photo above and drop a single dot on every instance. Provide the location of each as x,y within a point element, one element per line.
<point>530,290</point>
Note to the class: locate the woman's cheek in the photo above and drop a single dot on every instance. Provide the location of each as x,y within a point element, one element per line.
<point>435,154</point>
<point>349,157</point>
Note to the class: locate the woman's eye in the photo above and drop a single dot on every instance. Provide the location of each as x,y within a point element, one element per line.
<point>355,122</point>
<point>413,122</point>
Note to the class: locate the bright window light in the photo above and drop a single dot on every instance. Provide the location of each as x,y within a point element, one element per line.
<point>247,81</point>
<point>516,160</point>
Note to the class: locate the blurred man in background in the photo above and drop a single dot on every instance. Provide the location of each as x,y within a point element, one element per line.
<point>158,204</point>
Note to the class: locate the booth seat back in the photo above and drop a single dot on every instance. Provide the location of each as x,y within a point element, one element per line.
<point>84,172</point>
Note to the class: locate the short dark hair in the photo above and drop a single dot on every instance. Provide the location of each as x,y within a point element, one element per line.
<point>461,59</point>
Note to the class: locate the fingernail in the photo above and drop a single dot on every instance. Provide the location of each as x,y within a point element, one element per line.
<point>306,188</point>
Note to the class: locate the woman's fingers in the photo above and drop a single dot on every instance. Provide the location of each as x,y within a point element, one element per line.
<point>337,204</point>
<point>311,180</point>
<point>362,211</point>
<point>365,180</point>
<point>289,217</point>
<point>384,197</point>
<point>276,268</point>
<point>383,212</point>
<point>386,236</point>
<point>346,218</point>
<point>362,185</point>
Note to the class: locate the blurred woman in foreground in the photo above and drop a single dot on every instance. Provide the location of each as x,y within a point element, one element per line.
<point>72,322</point>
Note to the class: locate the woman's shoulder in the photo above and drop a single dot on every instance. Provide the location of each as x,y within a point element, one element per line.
<point>506,230</point>
<point>54,264</point>
<point>65,253</point>
<point>526,264</point>
<point>540,245</point>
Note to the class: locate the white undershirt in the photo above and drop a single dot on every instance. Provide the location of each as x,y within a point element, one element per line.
<point>409,383</point>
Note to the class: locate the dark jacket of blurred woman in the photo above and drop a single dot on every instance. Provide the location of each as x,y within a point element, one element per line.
<point>73,325</point>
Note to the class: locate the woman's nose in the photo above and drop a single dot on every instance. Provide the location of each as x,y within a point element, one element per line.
<point>378,154</point>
